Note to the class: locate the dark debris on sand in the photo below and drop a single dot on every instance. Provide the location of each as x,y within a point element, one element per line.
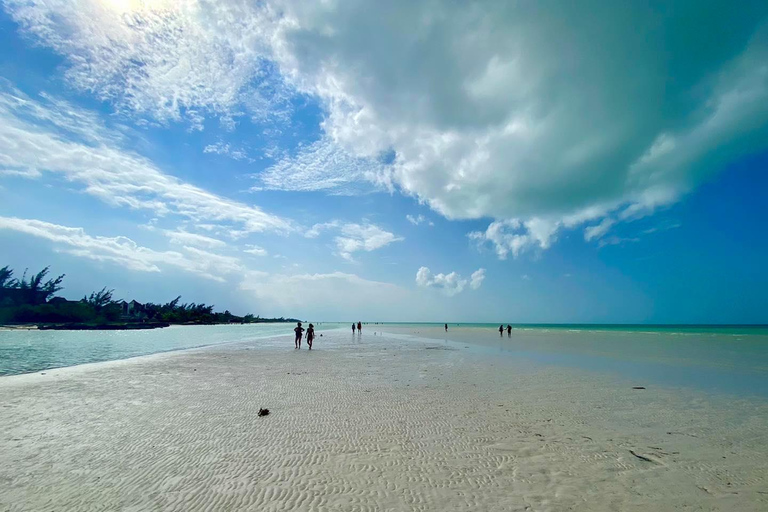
<point>263,412</point>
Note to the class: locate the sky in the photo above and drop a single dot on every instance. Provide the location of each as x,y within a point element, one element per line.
<point>494,161</point>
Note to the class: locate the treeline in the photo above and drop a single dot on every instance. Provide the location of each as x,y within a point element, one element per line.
<point>33,300</point>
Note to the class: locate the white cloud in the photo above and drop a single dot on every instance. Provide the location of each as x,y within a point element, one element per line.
<point>323,165</point>
<point>123,251</point>
<point>362,237</point>
<point>315,230</point>
<point>355,237</point>
<point>50,136</point>
<point>166,59</point>
<point>326,294</point>
<point>221,148</point>
<point>451,284</point>
<point>419,219</point>
<point>182,237</point>
<point>255,250</point>
<point>485,113</point>
<point>615,240</point>
<point>599,230</point>
<point>477,278</point>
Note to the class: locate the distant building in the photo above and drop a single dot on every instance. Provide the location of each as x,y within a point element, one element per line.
<point>132,310</point>
<point>58,301</point>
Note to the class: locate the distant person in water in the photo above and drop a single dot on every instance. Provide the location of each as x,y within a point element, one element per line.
<point>501,330</point>
<point>446,327</point>
<point>359,327</point>
<point>509,330</point>
<point>298,330</point>
<point>310,335</point>
<point>353,328</point>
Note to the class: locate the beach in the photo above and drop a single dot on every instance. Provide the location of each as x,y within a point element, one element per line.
<point>375,422</point>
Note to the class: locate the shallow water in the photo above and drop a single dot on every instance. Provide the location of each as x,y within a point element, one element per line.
<point>714,360</point>
<point>728,362</point>
<point>25,351</point>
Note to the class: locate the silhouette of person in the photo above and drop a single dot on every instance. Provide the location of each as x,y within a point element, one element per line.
<point>446,327</point>
<point>298,330</point>
<point>501,330</point>
<point>353,328</point>
<point>509,330</point>
<point>359,327</point>
<point>310,335</point>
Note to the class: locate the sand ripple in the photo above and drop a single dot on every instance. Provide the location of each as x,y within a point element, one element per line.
<point>372,425</point>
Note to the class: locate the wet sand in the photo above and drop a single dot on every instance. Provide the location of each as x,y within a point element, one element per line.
<point>370,423</point>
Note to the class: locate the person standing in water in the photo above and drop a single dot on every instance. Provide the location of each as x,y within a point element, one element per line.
<point>509,330</point>
<point>359,328</point>
<point>446,327</point>
<point>310,335</point>
<point>353,327</point>
<point>501,330</point>
<point>298,330</point>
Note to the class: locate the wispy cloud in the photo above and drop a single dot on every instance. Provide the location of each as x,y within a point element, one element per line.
<point>47,136</point>
<point>181,237</point>
<point>165,59</point>
<point>123,251</point>
<point>255,250</point>
<point>225,149</point>
<point>499,125</point>
<point>353,237</point>
<point>419,219</point>
<point>323,165</point>
<point>335,291</point>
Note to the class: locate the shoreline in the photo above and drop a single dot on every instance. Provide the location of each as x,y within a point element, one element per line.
<point>370,422</point>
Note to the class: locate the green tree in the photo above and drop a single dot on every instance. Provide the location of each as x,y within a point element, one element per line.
<point>99,300</point>
<point>36,284</point>
<point>6,278</point>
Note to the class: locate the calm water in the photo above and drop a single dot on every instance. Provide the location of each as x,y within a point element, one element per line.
<point>732,359</point>
<point>720,358</point>
<point>29,351</point>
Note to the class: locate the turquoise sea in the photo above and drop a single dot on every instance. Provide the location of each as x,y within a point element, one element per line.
<point>731,359</point>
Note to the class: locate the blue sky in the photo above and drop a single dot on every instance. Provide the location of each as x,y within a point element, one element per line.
<point>412,161</point>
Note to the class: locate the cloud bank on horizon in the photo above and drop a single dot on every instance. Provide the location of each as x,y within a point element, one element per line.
<point>533,119</point>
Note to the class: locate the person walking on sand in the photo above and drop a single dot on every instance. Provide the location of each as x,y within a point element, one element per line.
<point>359,328</point>
<point>509,330</point>
<point>501,330</point>
<point>310,335</point>
<point>298,330</point>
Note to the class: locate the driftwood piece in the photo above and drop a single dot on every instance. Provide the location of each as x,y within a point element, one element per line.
<point>642,457</point>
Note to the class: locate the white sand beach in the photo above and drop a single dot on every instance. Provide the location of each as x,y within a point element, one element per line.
<point>380,423</point>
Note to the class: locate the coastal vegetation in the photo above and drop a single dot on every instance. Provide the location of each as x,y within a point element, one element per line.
<point>33,300</point>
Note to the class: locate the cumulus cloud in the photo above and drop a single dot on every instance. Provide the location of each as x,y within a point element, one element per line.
<point>125,252</point>
<point>52,136</point>
<point>477,278</point>
<point>450,284</point>
<point>355,237</point>
<point>529,114</point>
